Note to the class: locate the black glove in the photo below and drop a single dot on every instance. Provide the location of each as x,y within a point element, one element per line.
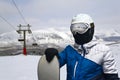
<point>50,53</point>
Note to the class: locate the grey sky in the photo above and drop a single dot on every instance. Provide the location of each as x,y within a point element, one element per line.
<point>58,13</point>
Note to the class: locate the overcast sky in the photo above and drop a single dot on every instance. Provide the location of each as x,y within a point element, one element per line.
<point>58,13</point>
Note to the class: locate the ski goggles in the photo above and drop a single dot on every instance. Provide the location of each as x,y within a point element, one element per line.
<point>80,28</point>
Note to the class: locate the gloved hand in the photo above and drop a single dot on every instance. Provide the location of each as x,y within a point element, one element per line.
<point>50,53</point>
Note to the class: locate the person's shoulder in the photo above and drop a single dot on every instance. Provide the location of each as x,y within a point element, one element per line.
<point>98,46</point>
<point>102,47</point>
<point>69,47</point>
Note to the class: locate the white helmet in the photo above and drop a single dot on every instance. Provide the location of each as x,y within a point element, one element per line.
<point>82,18</point>
<point>81,23</point>
<point>82,28</point>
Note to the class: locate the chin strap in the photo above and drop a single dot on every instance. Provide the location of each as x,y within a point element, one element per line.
<point>81,49</point>
<point>84,50</point>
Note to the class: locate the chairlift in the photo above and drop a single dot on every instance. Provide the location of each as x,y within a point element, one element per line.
<point>20,38</point>
<point>34,44</point>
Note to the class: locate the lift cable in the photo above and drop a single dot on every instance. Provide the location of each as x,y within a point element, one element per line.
<point>19,12</point>
<point>8,22</point>
<point>34,38</point>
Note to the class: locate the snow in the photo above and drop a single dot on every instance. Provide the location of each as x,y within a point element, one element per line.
<point>40,36</point>
<point>18,67</point>
<point>21,68</point>
<point>49,35</point>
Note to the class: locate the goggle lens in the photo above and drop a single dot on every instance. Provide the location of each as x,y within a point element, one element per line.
<point>80,28</point>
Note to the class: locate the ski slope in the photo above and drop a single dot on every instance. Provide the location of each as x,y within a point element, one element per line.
<point>18,67</point>
<point>21,68</point>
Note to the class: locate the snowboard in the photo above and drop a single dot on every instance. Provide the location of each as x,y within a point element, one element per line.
<point>48,71</point>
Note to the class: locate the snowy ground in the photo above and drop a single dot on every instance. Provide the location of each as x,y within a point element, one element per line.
<point>21,68</point>
<point>25,67</point>
<point>18,68</point>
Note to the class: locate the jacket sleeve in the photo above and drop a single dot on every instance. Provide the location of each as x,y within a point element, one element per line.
<point>109,67</point>
<point>63,57</point>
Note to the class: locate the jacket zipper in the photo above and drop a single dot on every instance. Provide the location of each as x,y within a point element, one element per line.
<point>75,68</point>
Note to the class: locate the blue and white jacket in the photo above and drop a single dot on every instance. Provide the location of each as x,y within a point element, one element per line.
<point>98,64</point>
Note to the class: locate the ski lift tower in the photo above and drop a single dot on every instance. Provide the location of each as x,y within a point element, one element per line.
<point>22,30</point>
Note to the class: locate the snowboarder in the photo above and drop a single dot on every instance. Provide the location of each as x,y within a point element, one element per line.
<point>86,59</point>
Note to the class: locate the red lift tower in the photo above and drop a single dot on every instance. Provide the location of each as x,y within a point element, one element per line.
<point>22,30</point>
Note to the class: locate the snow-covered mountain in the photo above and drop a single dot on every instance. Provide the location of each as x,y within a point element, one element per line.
<point>9,44</point>
<point>52,36</point>
<point>38,36</point>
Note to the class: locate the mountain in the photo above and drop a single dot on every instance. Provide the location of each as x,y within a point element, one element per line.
<point>44,38</point>
<point>39,40</point>
<point>52,36</point>
<point>38,36</point>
